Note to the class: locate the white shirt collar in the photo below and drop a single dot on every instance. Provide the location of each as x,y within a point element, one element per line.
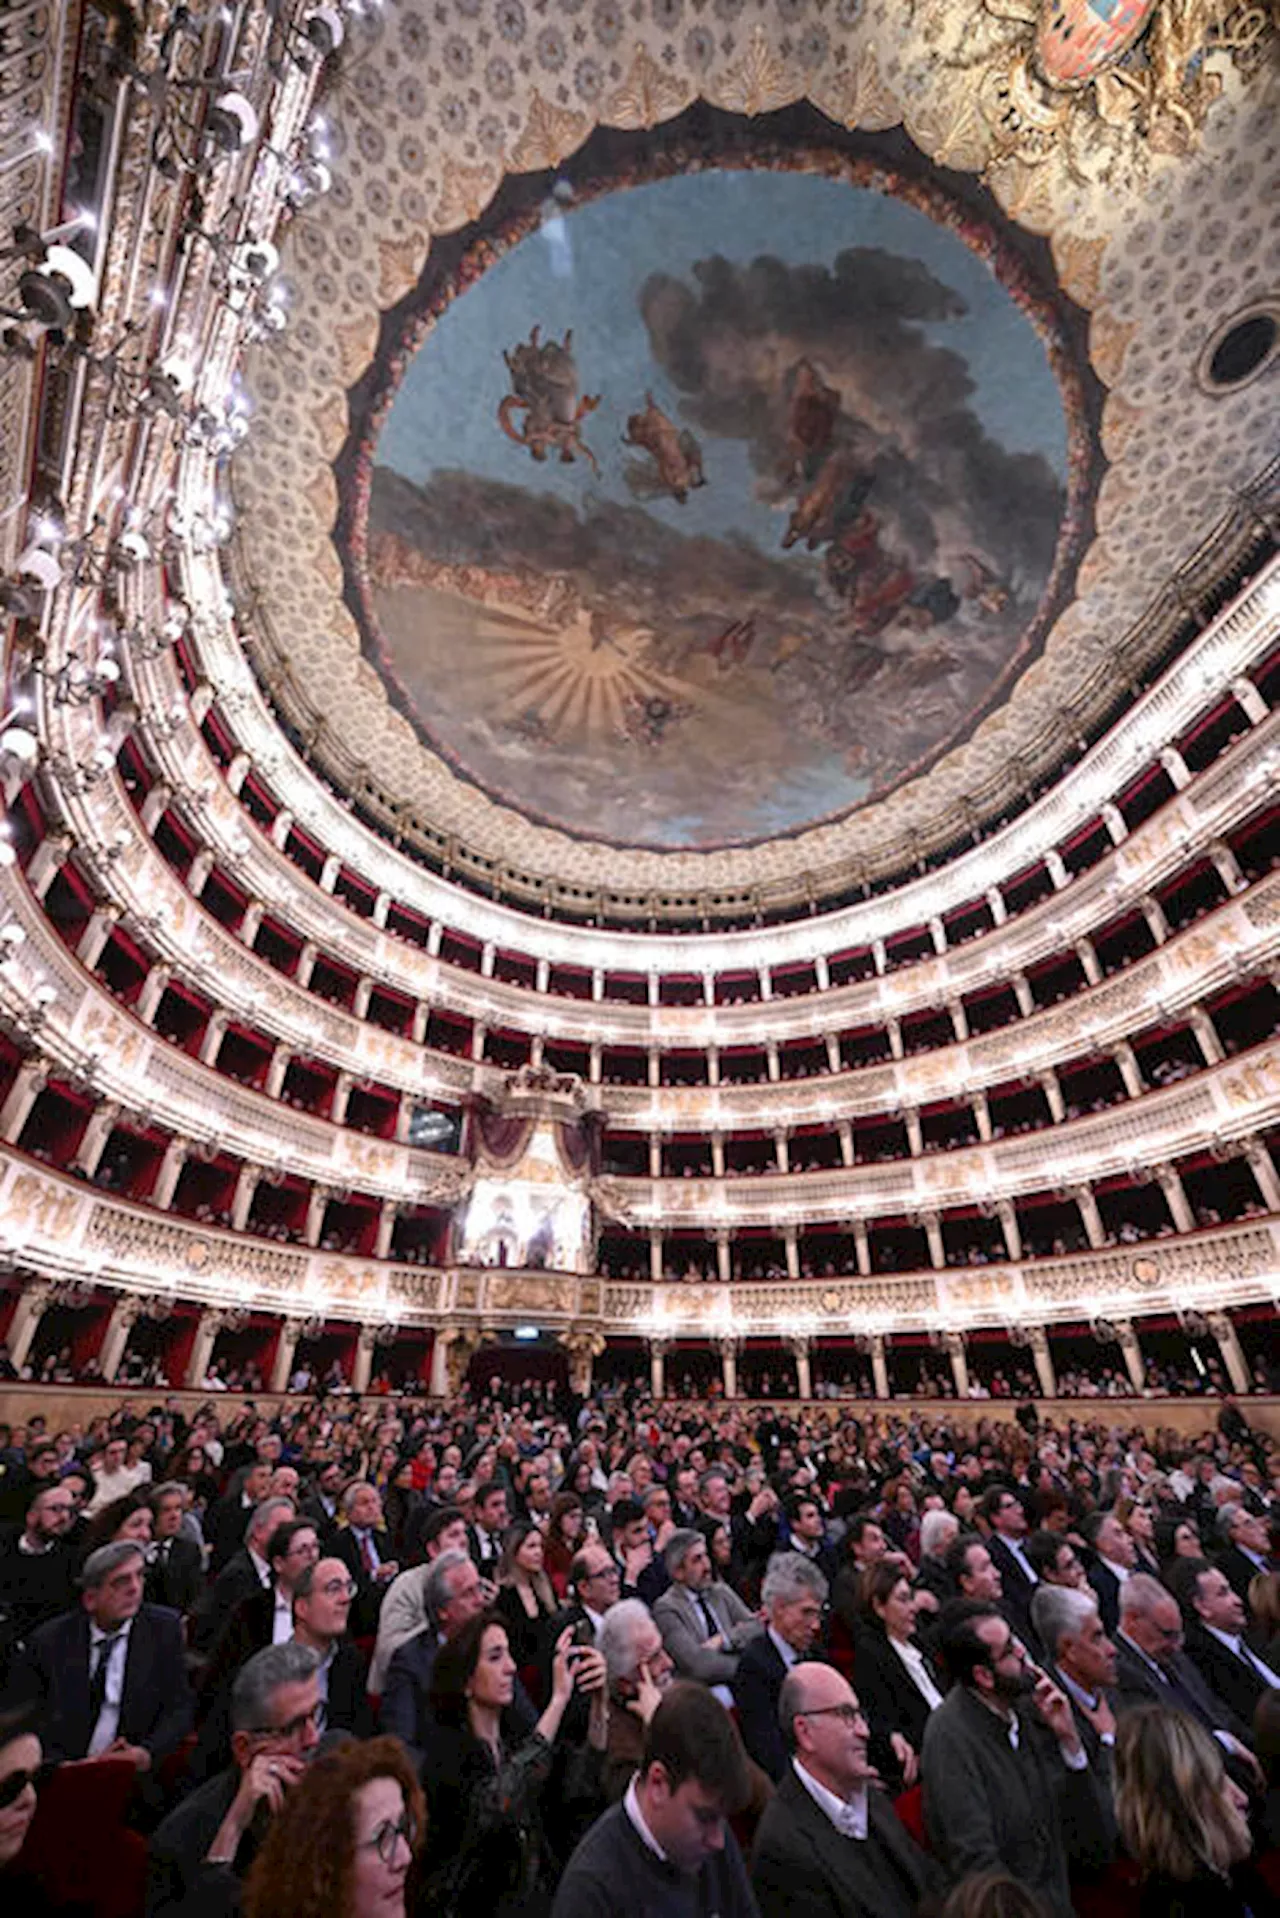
<point>1230,1639</point>
<point>786,1653</point>
<point>631,1806</point>
<point>1122,1572</point>
<point>120,1633</point>
<point>921,1677</point>
<point>260,1566</point>
<point>848,1815</point>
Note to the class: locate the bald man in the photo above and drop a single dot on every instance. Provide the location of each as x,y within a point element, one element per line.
<point>829,1844</point>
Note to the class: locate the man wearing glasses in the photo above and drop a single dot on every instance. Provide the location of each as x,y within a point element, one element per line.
<point>1007,1782</point>
<point>322,1598</point>
<point>200,1854</point>
<point>826,1843</point>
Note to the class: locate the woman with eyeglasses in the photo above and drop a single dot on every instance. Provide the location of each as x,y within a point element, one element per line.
<point>344,1840</point>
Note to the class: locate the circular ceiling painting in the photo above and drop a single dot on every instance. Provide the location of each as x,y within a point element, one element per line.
<point>705,502</point>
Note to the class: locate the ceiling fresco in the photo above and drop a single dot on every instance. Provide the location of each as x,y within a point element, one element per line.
<point>709,499</point>
<point>463,632</point>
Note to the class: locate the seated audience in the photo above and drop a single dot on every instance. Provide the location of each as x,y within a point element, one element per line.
<point>201,1852</point>
<point>404,1612</point>
<point>897,1683</point>
<point>667,1847</point>
<point>704,1624</point>
<point>526,1600</point>
<point>37,1571</point>
<point>364,1544</point>
<point>792,1598</point>
<point>1214,1617</point>
<point>1153,1669</point>
<point>828,1842</point>
<point>1183,1820</point>
<point>175,1569</point>
<point>20,1762</point>
<point>639,1672</point>
<point>562,1538</point>
<point>245,1574</point>
<point>1245,1546</point>
<point>344,1840</point>
<point>454,1594</point>
<point>127,1517</point>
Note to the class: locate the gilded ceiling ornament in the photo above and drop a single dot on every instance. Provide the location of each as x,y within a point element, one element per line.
<point>757,83</point>
<point>647,95</point>
<point>549,134</point>
<point>858,97</point>
<point>467,191</point>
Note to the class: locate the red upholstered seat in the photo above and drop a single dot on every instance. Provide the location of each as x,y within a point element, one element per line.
<point>840,1648</point>
<point>79,1847</point>
<point>909,1806</point>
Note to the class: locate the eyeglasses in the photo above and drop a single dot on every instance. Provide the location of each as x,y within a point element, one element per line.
<point>606,1571</point>
<point>338,1588</point>
<point>847,1714</point>
<point>12,1787</point>
<point>295,1727</point>
<point>388,1835</point>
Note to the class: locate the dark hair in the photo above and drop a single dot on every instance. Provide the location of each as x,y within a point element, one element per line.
<point>455,1662</point>
<point>957,1559</point>
<point>876,1583</point>
<point>795,1503</point>
<point>561,1505</point>
<point>993,1498</point>
<point>957,1640</point>
<point>625,1512</point>
<point>486,1492</point>
<point>440,1520</point>
<point>1041,1551</point>
<point>1183,1580</point>
<point>23,1720</point>
<point>285,1532</point>
<point>691,1735</point>
<point>104,1525</point>
<point>856,1526</point>
<point>1164,1534</point>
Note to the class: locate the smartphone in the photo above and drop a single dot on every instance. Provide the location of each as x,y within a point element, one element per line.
<point>583,1634</point>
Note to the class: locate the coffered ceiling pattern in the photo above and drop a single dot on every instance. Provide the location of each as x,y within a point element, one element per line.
<point>432,106</point>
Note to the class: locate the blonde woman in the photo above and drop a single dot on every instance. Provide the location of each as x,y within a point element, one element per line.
<point>1183,1820</point>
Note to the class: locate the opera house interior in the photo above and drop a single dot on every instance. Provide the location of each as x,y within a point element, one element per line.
<point>426,954</point>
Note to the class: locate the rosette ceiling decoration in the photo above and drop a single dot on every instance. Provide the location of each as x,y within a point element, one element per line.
<point>724,452</point>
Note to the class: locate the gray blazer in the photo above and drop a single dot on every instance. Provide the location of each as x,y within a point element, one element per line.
<point>684,1633</point>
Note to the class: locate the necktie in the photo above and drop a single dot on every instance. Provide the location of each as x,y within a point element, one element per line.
<point>708,1617</point>
<point>98,1677</point>
<point>366,1554</point>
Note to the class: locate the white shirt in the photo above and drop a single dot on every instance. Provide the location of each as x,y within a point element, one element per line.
<point>104,1732</point>
<point>1242,1651</point>
<point>848,1815</point>
<point>597,1620</point>
<point>631,1806</point>
<point>787,1653</point>
<point>1122,1572</point>
<point>113,1485</point>
<point>260,1566</point>
<point>282,1618</point>
<point>1020,1558</point>
<point>918,1672</point>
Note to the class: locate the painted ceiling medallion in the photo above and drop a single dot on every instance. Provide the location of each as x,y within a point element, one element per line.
<point>707,497</point>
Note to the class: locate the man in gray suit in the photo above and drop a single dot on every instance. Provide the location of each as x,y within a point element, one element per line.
<point>704,1624</point>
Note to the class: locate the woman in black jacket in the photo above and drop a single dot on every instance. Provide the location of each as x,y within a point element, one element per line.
<point>1183,1820</point>
<point>896,1684</point>
<point>493,1848</point>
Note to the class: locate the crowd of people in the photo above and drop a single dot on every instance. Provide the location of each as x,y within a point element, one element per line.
<point>525,1656</point>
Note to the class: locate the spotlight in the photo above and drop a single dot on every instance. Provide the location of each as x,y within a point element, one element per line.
<point>231,123</point>
<point>258,260</point>
<point>133,548</point>
<point>52,291</point>
<point>325,31</point>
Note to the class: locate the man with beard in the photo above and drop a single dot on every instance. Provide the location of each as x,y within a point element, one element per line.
<point>1007,1782</point>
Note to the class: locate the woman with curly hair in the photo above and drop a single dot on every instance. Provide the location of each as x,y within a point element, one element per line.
<point>128,1517</point>
<point>343,1840</point>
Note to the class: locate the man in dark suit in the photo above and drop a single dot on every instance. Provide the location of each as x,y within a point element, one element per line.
<point>264,1618</point>
<point>364,1546</point>
<point>37,1571</point>
<point>454,1592</point>
<point>1153,1669</point>
<point>321,1608</point>
<point>200,1853</point>
<point>1246,1547</point>
<point>793,1595</point>
<point>224,1529</point>
<point>829,1846</point>
<point>111,1677</point>
<point>323,1503</point>
<point>1114,1562</point>
<point>1005,1514</point>
<point>175,1570</point>
<point>245,1574</point>
<point>1215,1619</point>
<point>491,1521</point>
<point>1081,1659</point>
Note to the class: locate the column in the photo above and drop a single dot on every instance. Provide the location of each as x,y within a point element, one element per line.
<point>1123,1055</point>
<point>388,1213</point>
<point>655,1255</point>
<point>938,934</point>
<point>238,772</point>
<point>1090,1216</point>
<point>155,806</point>
<point>766,982</point>
<point>306,963</point>
<point>1229,1345</point>
<point>595,1063</point>
<point>281,827</point>
<point>862,1248</point>
<point>247,931</point>
<point>717,1155</point>
<point>47,861</point>
<point>381,907</point>
<point>1008,1217</point>
<point>1228,866</point>
<point>202,698</point>
<point>421,1013</point>
<point>198,871</point>
<point>915,1136</point>
<point>1153,913</point>
<point>93,1143</point>
<point>277,1071</point>
<point>799,1349</point>
<point>1246,695</point>
<point>954,1344</point>
<point>30,1082</point>
<point>781,1152</point>
<point>202,1349</point>
<point>542,977</point>
<point>1023,994</point>
<point>959,1020</point>
<point>435,934</point>
<point>1053,1093</point>
<point>1176,1194</point>
<point>822,972</point>
<point>214,1034</point>
<point>791,1247</point>
<point>713,1065</point>
<point>361,996</point>
<point>95,935</point>
<point>982,1115</point>
<point>242,1202</point>
<point>708,988</point>
<point>655,1156</point>
<point>657,1379</point>
<point>537,1044</point>
<point>286,1346</point>
<point>879,958</point>
<point>724,1255</point>
<point>1176,766</point>
<point>1206,1036</point>
<point>772,1066</point>
<point>995,902</point>
<point>438,1379</point>
<point>894,1030</point>
<point>1132,1354</point>
<point>341,1098</point>
<point>1113,820</point>
<point>154,987</point>
<point>488,957</point>
<point>1038,1345</point>
<point>362,1370</point>
<point>844,1132</point>
<point>1260,1164</point>
<point>317,1200</point>
<point>879,1368</point>
<point>175,1157</point>
<point>24,1324</point>
<point>1086,953</point>
<point>597,984</point>
<point>655,1068</point>
<point>833,1051</point>
<point>1056,870</point>
<point>933,1233</point>
<point>729,1366</point>
<point>125,1312</point>
<point>329,872</point>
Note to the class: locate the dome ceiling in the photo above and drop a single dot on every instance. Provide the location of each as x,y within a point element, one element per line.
<point>717,441</point>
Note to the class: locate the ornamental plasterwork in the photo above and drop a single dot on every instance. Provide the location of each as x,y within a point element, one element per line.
<point>1159,246</point>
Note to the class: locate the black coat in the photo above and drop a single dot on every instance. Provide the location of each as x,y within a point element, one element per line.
<point>176,1575</point>
<point>33,1589</point>
<point>1177,1683</point>
<point>756,1688</point>
<point>180,1881</point>
<point>370,1592</point>
<point>156,1707</point>
<point>1238,1570</point>
<point>802,1867</point>
<point>237,1581</point>
<point>1017,1590</point>
<point>1237,1683</point>
<point>890,1700</point>
<point>1106,1589</point>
